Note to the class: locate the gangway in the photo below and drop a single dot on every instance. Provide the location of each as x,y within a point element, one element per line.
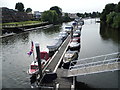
<point>97,64</point>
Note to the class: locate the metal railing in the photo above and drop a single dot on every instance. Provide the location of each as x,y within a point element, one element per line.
<point>115,60</point>
<point>108,62</point>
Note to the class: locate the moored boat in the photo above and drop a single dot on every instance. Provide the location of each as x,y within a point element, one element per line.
<point>68,57</point>
<point>76,35</point>
<point>34,65</point>
<point>75,39</point>
<point>74,45</point>
<point>68,29</point>
<point>77,31</point>
<point>54,46</point>
<point>63,35</point>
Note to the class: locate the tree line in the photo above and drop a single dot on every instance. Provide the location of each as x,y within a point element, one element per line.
<point>110,15</point>
<point>54,14</point>
<point>91,15</point>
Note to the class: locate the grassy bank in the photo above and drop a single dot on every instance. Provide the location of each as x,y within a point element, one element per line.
<point>24,23</point>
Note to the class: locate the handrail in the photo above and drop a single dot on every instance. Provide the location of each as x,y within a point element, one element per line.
<point>95,63</point>
<point>86,60</point>
<point>100,56</point>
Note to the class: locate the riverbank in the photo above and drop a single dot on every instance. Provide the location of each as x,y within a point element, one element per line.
<point>18,28</point>
<point>12,31</point>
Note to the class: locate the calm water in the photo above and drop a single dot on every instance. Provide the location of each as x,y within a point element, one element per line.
<point>15,61</point>
<point>96,42</point>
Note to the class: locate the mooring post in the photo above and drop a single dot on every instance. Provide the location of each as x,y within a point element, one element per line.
<point>38,59</point>
<point>71,32</point>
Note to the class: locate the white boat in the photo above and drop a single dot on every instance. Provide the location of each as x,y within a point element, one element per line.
<point>76,35</point>
<point>63,35</point>
<point>68,29</point>
<point>75,39</point>
<point>70,56</point>
<point>54,46</point>
<point>77,31</point>
<point>34,65</point>
<point>74,45</point>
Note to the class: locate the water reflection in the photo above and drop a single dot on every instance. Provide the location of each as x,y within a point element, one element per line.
<point>52,30</point>
<point>13,39</point>
<point>109,33</point>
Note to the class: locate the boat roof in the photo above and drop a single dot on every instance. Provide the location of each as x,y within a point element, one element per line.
<point>55,43</point>
<point>70,53</point>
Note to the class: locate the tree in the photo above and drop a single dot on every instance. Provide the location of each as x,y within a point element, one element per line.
<point>108,8</point>
<point>57,9</point>
<point>79,14</point>
<point>66,18</point>
<point>118,7</point>
<point>110,17</point>
<point>51,16</point>
<point>116,21</point>
<point>28,10</point>
<point>19,6</point>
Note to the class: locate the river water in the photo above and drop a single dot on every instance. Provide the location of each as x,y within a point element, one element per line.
<point>15,61</point>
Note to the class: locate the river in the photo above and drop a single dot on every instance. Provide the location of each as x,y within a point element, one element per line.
<point>95,42</point>
<point>15,61</point>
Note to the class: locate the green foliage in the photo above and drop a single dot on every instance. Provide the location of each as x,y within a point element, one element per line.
<point>110,18</point>
<point>51,16</point>
<point>92,15</point>
<point>66,18</point>
<point>118,7</point>
<point>79,14</point>
<point>111,15</point>
<point>108,8</point>
<point>28,10</point>
<point>116,21</point>
<point>19,6</point>
<point>57,9</point>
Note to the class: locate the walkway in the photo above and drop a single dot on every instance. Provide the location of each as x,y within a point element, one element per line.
<point>61,82</point>
<point>103,63</point>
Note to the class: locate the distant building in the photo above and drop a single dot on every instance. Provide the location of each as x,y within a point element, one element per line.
<point>30,15</point>
<point>37,14</point>
<point>71,15</point>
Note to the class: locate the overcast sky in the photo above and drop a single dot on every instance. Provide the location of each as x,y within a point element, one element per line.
<point>70,6</point>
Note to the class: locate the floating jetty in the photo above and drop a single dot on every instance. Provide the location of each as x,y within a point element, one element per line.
<point>61,81</point>
<point>54,67</point>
